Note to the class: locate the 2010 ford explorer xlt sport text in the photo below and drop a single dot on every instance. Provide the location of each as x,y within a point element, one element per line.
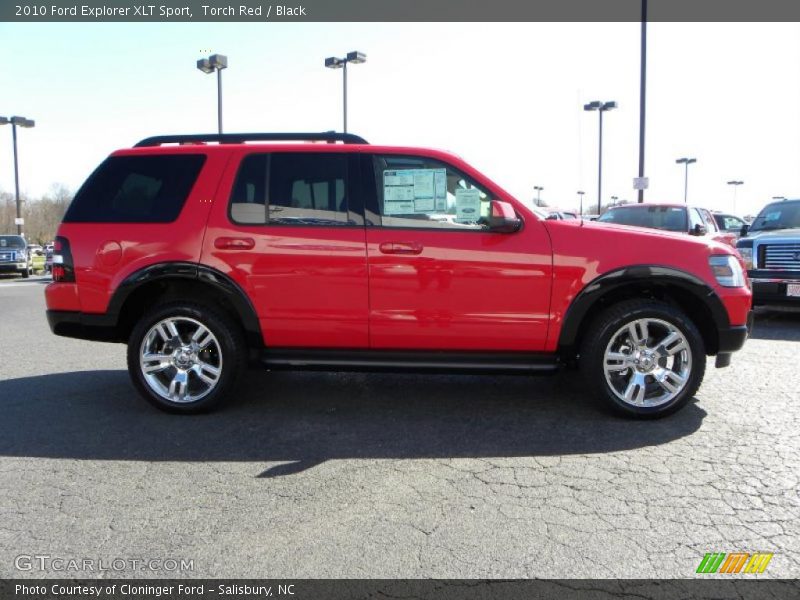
<point>206,254</point>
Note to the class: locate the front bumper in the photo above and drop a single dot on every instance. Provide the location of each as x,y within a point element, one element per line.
<point>769,287</point>
<point>732,339</point>
<point>8,267</point>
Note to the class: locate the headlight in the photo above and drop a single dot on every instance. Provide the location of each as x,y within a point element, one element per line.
<point>747,257</point>
<point>727,270</point>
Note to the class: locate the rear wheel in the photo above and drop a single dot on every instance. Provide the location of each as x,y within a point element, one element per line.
<point>644,358</point>
<point>185,358</point>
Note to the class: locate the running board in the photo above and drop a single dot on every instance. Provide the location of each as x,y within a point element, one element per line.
<point>524,363</point>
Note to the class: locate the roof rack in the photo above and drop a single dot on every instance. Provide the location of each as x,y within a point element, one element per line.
<point>241,138</point>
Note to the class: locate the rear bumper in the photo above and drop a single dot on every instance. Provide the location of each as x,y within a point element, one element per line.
<point>84,326</point>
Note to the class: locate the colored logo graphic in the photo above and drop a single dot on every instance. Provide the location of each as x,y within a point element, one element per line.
<point>735,562</point>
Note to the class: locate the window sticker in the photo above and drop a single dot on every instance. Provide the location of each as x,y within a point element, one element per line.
<point>409,191</point>
<point>468,205</point>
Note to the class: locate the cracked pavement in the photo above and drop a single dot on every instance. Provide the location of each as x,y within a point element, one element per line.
<point>315,475</point>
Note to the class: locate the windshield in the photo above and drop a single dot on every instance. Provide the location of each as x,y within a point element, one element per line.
<point>12,241</point>
<point>780,215</point>
<point>668,218</point>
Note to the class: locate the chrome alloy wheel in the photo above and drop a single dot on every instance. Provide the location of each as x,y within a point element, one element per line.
<point>648,362</point>
<point>180,359</point>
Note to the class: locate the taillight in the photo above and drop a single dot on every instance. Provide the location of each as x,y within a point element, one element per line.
<point>63,269</point>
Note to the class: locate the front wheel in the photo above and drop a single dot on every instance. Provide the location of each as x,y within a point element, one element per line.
<point>185,358</point>
<point>644,358</point>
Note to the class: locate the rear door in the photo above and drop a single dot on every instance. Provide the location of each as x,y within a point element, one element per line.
<point>288,227</point>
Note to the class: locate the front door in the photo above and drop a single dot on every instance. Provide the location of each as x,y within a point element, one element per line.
<point>438,278</point>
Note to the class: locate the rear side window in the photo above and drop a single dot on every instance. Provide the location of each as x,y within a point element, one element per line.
<point>289,188</point>
<point>136,189</point>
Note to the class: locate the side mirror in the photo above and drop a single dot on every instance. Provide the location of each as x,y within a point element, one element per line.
<point>502,218</point>
<point>743,231</point>
<point>699,230</point>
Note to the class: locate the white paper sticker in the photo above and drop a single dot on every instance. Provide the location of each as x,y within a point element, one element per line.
<point>468,205</point>
<point>409,191</point>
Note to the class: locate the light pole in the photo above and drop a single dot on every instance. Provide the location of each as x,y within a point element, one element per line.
<point>735,185</point>
<point>600,107</point>
<point>614,200</point>
<point>580,201</point>
<point>686,162</point>
<point>215,62</point>
<point>538,189</point>
<point>332,62</point>
<point>17,122</point>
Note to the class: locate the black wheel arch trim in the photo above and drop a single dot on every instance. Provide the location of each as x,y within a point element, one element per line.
<point>656,275</point>
<point>192,272</point>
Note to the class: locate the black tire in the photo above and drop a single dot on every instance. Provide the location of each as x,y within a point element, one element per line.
<point>690,363</point>
<point>228,351</point>
<point>26,273</point>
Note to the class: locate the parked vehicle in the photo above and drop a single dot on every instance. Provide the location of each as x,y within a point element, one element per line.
<point>729,223</point>
<point>14,255</point>
<point>559,215</point>
<point>48,260</point>
<point>35,250</point>
<point>770,248</point>
<point>678,218</point>
<point>205,258</point>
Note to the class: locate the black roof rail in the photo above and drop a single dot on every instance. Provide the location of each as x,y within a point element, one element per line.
<point>241,138</point>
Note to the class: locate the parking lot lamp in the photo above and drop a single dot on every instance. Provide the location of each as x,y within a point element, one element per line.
<point>538,189</point>
<point>17,122</point>
<point>735,184</point>
<point>333,62</point>
<point>215,62</point>
<point>686,162</point>
<point>580,200</point>
<point>600,107</point>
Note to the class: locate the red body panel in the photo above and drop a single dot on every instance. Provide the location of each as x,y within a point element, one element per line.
<point>373,287</point>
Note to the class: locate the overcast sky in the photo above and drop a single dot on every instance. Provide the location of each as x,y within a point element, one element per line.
<point>508,98</point>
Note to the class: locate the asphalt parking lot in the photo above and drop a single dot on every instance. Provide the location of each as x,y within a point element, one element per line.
<point>378,475</point>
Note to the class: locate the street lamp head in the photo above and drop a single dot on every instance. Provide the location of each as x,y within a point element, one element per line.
<point>594,105</point>
<point>205,65</point>
<point>356,57</point>
<point>21,122</point>
<point>581,193</point>
<point>3,120</point>
<point>334,63</point>
<point>735,182</point>
<point>609,105</point>
<point>218,61</point>
<point>686,161</point>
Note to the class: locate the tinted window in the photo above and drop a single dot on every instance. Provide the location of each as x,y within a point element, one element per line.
<point>780,215</point>
<point>728,222</point>
<point>291,189</point>
<point>136,189</point>
<point>422,192</point>
<point>668,218</point>
<point>12,241</point>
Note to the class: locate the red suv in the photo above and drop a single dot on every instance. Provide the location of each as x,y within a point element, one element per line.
<point>206,254</point>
